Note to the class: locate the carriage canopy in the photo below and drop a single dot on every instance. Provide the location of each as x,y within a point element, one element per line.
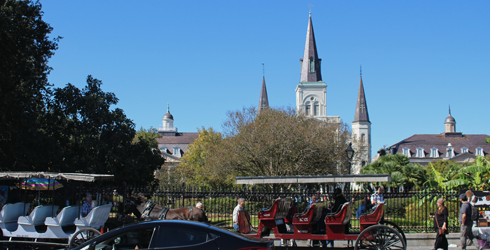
<point>56,176</point>
<point>252,180</point>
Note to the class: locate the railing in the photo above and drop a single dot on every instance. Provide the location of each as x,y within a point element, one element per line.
<point>410,210</point>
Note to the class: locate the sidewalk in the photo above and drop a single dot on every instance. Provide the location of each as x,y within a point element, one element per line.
<point>418,241</point>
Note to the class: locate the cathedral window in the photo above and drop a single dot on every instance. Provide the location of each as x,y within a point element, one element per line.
<point>406,151</point>
<point>420,153</point>
<point>464,150</point>
<point>308,108</point>
<point>316,109</point>
<point>363,137</point>
<point>434,153</point>
<point>312,64</point>
<point>479,151</point>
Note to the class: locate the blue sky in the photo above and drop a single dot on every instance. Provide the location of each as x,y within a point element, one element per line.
<point>205,58</point>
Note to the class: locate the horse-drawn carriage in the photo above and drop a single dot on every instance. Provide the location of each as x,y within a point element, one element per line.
<point>375,232</point>
<point>42,226</point>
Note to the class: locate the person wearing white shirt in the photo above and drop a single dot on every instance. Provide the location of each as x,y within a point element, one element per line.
<point>239,207</point>
<point>377,197</point>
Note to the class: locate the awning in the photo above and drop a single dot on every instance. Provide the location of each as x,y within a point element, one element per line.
<point>252,180</point>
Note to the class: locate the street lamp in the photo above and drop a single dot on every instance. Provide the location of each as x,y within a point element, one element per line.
<point>350,154</point>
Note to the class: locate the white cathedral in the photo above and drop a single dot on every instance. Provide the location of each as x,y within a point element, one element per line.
<point>311,100</point>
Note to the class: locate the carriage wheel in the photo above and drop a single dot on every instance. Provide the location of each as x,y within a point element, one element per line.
<point>380,237</point>
<point>391,224</point>
<point>82,236</point>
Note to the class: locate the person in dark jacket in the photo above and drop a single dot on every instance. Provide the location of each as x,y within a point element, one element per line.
<point>339,200</point>
<point>441,221</point>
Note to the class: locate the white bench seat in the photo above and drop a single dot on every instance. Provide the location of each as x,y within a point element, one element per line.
<point>66,217</point>
<point>38,215</point>
<point>96,218</point>
<point>12,211</point>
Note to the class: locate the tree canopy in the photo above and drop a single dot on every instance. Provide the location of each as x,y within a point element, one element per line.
<point>63,129</point>
<point>276,143</point>
<point>25,48</point>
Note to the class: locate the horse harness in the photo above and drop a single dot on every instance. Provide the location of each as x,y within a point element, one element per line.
<point>163,214</point>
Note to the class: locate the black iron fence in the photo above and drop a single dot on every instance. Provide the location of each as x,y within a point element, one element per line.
<point>409,209</point>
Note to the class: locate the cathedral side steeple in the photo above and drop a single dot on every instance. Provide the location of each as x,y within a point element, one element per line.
<point>361,131</point>
<point>263,100</point>
<point>362,114</point>
<point>310,63</point>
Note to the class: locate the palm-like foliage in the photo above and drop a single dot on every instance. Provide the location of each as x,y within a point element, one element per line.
<point>402,172</point>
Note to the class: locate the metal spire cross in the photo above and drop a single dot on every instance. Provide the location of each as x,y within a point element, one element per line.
<point>309,5</point>
<point>263,69</point>
<point>360,68</point>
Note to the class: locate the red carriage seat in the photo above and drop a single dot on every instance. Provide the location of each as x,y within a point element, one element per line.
<point>302,222</point>
<point>342,217</point>
<point>371,218</point>
<point>278,210</point>
<point>273,216</point>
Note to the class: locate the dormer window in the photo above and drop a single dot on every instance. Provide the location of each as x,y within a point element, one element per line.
<point>449,152</point>
<point>163,149</point>
<point>406,151</point>
<point>420,153</point>
<point>177,152</point>
<point>479,151</point>
<point>464,150</point>
<point>312,65</point>
<point>434,153</point>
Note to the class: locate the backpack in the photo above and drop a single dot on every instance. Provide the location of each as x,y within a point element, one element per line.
<point>474,213</point>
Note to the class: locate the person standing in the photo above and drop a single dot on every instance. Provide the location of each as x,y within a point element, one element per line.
<point>466,223</point>
<point>441,224</point>
<point>238,208</point>
<point>87,205</point>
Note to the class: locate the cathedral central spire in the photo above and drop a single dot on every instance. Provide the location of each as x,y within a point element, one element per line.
<point>310,63</point>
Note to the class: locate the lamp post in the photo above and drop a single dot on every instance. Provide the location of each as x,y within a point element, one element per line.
<point>350,154</point>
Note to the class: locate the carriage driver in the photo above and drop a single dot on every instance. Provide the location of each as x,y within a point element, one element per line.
<point>87,205</point>
<point>200,206</point>
<point>239,207</point>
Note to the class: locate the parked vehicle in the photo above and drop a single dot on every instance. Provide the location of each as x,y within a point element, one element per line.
<point>174,234</point>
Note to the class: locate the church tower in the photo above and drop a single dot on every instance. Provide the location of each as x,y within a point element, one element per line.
<point>361,132</point>
<point>263,100</point>
<point>311,92</point>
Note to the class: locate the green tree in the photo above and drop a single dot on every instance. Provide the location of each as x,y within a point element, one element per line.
<point>93,138</point>
<point>200,163</point>
<point>25,48</point>
<point>148,135</point>
<point>279,142</point>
